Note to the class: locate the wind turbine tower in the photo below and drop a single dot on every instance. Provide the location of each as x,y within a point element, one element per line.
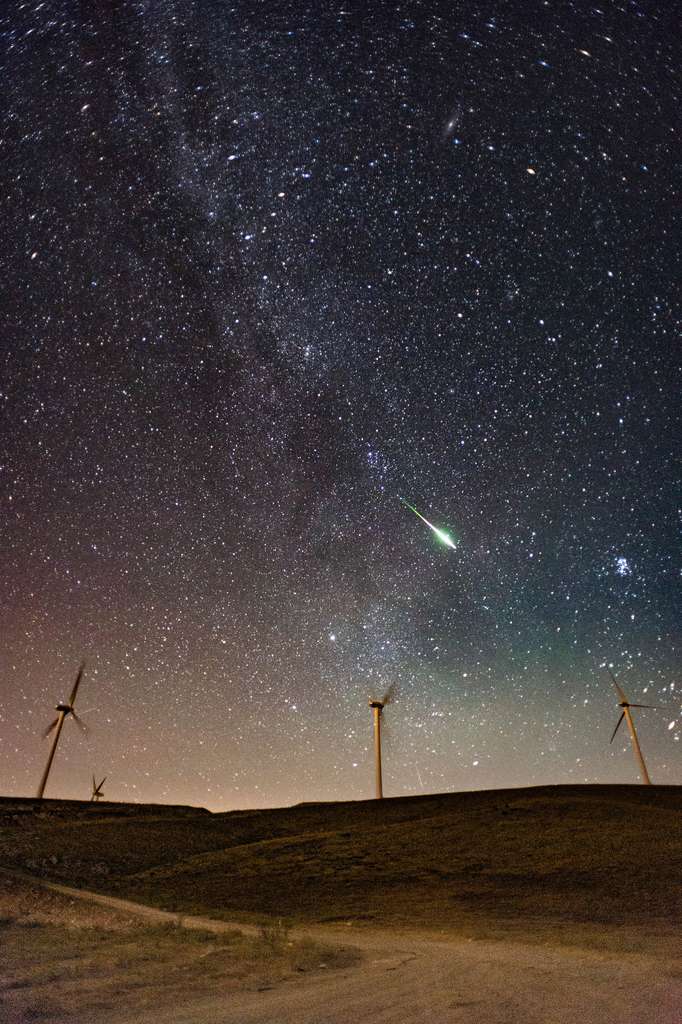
<point>377,707</point>
<point>64,710</point>
<point>625,704</point>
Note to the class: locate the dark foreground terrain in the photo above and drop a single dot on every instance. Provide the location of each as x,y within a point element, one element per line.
<point>69,957</point>
<point>550,904</point>
<point>71,960</point>
<point>578,856</point>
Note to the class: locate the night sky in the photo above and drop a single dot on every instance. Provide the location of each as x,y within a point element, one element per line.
<point>268,267</point>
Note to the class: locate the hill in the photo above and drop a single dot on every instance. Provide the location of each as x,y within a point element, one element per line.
<point>503,859</point>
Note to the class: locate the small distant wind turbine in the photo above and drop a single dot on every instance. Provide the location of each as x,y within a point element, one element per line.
<point>377,707</point>
<point>97,793</point>
<point>625,704</point>
<point>64,709</point>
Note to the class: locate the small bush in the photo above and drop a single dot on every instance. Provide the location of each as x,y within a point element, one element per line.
<point>274,937</point>
<point>200,937</point>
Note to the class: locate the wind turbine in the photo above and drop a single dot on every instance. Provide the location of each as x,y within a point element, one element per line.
<point>97,793</point>
<point>625,704</point>
<point>64,710</point>
<point>377,707</point>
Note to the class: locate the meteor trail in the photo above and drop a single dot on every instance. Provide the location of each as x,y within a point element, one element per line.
<point>443,537</point>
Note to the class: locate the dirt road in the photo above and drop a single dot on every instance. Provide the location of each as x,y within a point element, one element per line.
<point>412,978</point>
<point>425,981</point>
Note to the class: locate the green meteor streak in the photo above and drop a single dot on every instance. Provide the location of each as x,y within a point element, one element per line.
<point>443,537</point>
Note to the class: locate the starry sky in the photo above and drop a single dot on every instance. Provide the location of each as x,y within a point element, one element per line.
<point>268,267</point>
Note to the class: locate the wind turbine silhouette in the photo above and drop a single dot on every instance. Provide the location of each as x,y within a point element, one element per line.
<point>64,709</point>
<point>377,707</point>
<point>97,793</point>
<point>625,704</point>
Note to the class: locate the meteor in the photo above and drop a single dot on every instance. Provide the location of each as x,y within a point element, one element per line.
<point>442,536</point>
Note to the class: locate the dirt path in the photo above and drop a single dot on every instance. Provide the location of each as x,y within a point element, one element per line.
<point>136,909</point>
<point>415,979</point>
<point>422,981</point>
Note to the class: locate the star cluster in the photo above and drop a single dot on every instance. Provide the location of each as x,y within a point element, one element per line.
<point>268,267</point>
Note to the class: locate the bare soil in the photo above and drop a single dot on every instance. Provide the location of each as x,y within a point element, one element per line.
<point>67,959</point>
<point>500,860</point>
<point>547,905</point>
<point>413,980</point>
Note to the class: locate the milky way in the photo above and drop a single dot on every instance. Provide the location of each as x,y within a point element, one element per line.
<point>268,266</point>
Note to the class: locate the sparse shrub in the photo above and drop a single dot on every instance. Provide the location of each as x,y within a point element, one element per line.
<point>201,937</point>
<point>36,1013</point>
<point>162,929</point>
<point>274,936</point>
<point>307,954</point>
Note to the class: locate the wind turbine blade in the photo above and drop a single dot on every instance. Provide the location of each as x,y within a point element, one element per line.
<point>49,729</point>
<point>617,727</point>
<point>620,693</point>
<point>94,785</point>
<point>77,684</point>
<point>389,695</point>
<point>81,725</point>
<point>102,783</point>
<point>652,707</point>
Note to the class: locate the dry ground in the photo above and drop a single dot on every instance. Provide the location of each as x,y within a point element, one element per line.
<point>415,980</point>
<point>544,905</point>
<point>487,864</point>
<point>69,960</point>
